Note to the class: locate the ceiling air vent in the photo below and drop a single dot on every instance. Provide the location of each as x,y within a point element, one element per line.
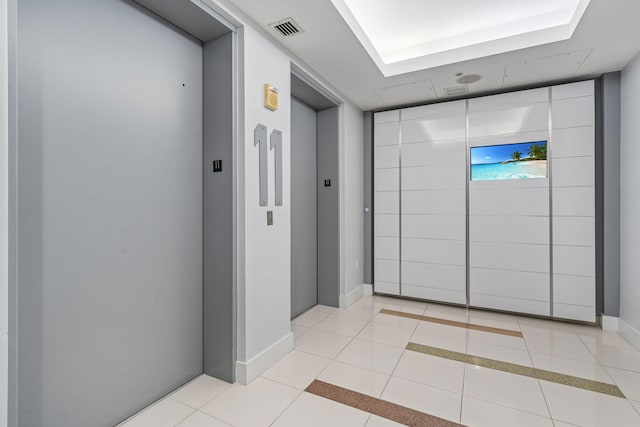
<point>455,91</point>
<point>287,27</point>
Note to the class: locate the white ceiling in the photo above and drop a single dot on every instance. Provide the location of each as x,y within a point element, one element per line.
<point>402,36</point>
<point>606,39</point>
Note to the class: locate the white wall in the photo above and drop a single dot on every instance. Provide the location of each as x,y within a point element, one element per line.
<point>353,184</point>
<point>264,314</point>
<point>4,211</point>
<point>630,195</point>
<point>263,254</point>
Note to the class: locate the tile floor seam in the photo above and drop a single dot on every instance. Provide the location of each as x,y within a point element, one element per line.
<point>522,370</point>
<point>184,419</point>
<point>215,397</point>
<point>396,366</point>
<point>508,407</point>
<point>328,391</point>
<point>454,323</point>
<point>285,409</point>
<point>464,375</point>
<point>423,384</point>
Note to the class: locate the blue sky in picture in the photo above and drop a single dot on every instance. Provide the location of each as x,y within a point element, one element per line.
<point>500,153</point>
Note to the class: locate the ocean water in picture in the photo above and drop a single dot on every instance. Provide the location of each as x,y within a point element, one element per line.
<point>510,161</point>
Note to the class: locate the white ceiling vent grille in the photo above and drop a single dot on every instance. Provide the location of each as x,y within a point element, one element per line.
<point>455,90</point>
<point>287,27</point>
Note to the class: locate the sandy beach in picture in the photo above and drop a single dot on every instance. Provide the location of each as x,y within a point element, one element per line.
<point>510,161</point>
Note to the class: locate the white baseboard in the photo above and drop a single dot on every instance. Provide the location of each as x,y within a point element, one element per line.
<point>368,289</point>
<point>609,323</point>
<point>629,333</point>
<point>626,331</point>
<point>250,370</point>
<point>351,297</point>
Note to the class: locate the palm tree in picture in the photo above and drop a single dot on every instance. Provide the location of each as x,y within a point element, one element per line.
<point>535,152</point>
<point>516,156</point>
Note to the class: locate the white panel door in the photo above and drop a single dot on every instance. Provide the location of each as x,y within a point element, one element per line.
<point>509,252</point>
<point>433,216</point>
<point>573,181</point>
<point>386,203</point>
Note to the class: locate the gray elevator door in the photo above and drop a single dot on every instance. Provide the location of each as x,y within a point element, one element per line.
<point>110,211</point>
<point>304,221</point>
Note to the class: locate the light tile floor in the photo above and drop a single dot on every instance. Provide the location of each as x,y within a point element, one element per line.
<point>362,350</point>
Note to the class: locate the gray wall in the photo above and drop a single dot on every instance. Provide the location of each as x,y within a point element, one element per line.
<point>328,209</point>
<point>219,345</point>
<point>109,312</point>
<point>630,195</point>
<point>304,213</point>
<point>611,186</point>
<point>368,197</point>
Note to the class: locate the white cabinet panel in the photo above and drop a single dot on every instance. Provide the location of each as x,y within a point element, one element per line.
<point>577,231</point>
<point>574,312</point>
<point>482,141</point>
<point>435,112</point>
<point>573,172</point>
<point>386,116</point>
<point>448,252</point>
<point>517,119</point>
<point>514,284</point>
<point>574,260</point>
<point>504,100</point>
<point>538,308</point>
<point>386,179</point>
<point>386,134</point>
<point>387,202</point>
<point>434,226</point>
<point>451,277</point>
<point>573,142</point>
<point>508,256</point>
<point>522,202</point>
<point>434,294</point>
<point>573,90</point>
<point>574,112</point>
<point>436,177</point>
<point>576,290</point>
<point>574,201</point>
<point>433,129</point>
<point>434,153</point>
<point>387,225</point>
<point>387,270</point>
<point>387,156</point>
<point>509,229</point>
<point>386,288</point>
<point>386,248</point>
<point>434,202</point>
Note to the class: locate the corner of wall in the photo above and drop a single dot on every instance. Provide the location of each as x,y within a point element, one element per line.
<point>250,370</point>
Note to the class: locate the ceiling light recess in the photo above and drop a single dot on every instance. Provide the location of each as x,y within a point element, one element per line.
<point>403,36</point>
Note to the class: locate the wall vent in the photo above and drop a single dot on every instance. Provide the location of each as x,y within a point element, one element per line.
<point>287,27</point>
<point>455,90</point>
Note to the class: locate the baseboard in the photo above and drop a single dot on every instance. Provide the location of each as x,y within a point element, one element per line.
<point>629,333</point>
<point>250,370</point>
<point>351,297</point>
<point>368,289</point>
<point>609,323</point>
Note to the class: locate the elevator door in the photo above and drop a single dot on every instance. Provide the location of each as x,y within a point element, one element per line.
<point>110,211</point>
<point>304,217</point>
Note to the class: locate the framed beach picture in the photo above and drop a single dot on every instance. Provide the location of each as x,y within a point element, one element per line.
<point>524,160</point>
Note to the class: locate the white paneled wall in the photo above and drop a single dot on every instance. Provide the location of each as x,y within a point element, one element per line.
<point>530,243</point>
<point>573,181</point>
<point>509,256</point>
<point>433,220</point>
<point>386,186</point>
